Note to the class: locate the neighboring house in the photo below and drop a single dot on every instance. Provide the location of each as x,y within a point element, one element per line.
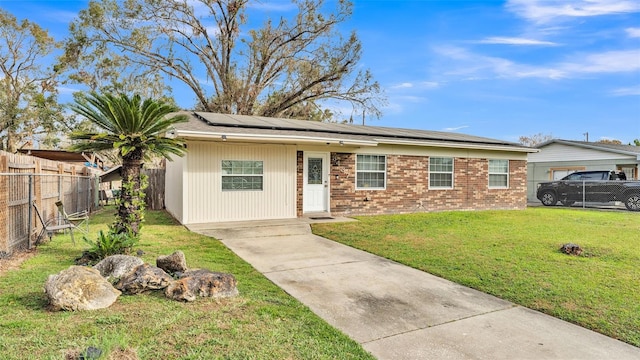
<point>558,158</point>
<point>249,168</point>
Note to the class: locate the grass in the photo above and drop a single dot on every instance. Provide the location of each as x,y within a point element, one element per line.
<point>262,323</point>
<point>515,255</point>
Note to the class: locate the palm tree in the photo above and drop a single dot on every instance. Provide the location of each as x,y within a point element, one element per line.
<point>137,130</point>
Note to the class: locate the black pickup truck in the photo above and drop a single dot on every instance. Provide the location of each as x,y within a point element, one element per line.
<point>591,186</point>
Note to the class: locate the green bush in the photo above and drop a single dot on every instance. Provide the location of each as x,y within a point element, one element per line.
<point>110,243</point>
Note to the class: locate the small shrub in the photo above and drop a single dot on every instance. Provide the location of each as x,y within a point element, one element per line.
<point>110,243</point>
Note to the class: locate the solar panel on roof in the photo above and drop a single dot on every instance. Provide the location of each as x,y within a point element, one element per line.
<point>260,122</point>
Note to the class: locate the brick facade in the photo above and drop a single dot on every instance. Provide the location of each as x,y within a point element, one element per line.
<point>299,182</point>
<point>407,187</point>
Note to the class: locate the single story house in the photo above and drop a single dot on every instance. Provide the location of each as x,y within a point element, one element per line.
<point>558,158</point>
<point>249,168</point>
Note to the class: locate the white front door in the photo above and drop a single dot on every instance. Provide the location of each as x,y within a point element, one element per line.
<point>315,193</point>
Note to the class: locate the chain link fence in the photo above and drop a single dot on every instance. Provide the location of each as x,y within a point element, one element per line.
<point>589,194</point>
<point>20,222</point>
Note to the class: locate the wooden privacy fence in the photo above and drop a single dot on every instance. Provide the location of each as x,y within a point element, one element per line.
<point>154,194</point>
<point>25,180</point>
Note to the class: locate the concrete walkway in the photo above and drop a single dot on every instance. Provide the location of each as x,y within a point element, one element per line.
<point>397,312</point>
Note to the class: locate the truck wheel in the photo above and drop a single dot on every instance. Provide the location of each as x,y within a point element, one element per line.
<point>548,198</point>
<point>633,202</point>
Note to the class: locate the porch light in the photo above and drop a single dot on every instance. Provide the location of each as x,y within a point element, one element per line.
<point>224,137</point>
<point>341,143</point>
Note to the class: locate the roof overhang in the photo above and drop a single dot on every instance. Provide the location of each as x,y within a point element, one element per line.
<point>62,155</point>
<point>337,140</point>
<point>272,138</point>
<point>112,175</point>
<point>458,145</point>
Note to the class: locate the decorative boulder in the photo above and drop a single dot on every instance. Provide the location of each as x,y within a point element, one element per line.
<point>202,283</point>
<point>79,288</point>
<point>116,266</point>
<point>571,249</point>
<point>142,278</point>
<point>173,263</point>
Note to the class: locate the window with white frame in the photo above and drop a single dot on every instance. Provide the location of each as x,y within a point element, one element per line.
<point>371,171</point>
<point>240,175</point>
<point>440,173</point>
<point>498,174</point>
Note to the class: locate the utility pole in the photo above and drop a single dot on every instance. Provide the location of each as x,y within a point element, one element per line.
<point>586,136</point>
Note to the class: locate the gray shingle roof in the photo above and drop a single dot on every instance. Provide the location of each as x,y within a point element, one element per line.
<point>621,149</point>
<point>204,122</point>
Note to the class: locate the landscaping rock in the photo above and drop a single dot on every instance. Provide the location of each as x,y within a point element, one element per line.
<point>116,266</point>
<point>173,263</point>
<point>202,283</point>
<point>571,249</point>
<point>92,353</point>
<point>143,278</point>
<point>79,288</point>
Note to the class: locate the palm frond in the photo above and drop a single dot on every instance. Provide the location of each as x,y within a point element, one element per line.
<point>128,124</point>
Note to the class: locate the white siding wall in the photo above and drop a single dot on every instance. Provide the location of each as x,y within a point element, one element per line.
<point>206,202</point>
<point>561,152</point>
<point>173,189</point>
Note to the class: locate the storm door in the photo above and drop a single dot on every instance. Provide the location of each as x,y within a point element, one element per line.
<point>315,195</point>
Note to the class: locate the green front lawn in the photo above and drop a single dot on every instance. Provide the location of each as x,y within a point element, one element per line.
<point>515,255</point>
<point>262,323</point>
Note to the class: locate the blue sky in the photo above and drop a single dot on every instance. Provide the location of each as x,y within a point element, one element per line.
<point>499,69</point>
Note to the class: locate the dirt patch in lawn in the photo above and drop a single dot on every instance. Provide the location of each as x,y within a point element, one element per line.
<point>13,262</point>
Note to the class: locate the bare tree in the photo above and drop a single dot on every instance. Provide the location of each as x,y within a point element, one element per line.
<point>28,103</point>
<point>535,139</point>
<point>287,67</point>
<point>610,141</point>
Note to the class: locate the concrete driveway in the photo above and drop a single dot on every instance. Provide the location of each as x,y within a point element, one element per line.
<point>397,312</point>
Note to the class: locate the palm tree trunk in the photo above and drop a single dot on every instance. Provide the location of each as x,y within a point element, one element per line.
<point>131,205</point>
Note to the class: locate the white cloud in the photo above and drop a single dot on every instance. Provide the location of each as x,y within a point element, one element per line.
<point>476,67</point>
<point>397,104</point>
<point>202,9</point>
<point>515,41</point>
<point>633,32</point>
<point>419,85</point>
<point>429,84</point>
<point>67,90</point>
<point>62,16</point>
<point>607,62</point>
<point>212,30</point>
<point>542,11</point>
<point>205,81</point>
<point>278,6</point>
<point>455,128</point>
<point>629,91</point>
<point>411,98</point>
<point>393,108</point>
<point>405,85</point>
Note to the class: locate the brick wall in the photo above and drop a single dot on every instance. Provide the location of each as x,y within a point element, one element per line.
<point>408,190</point>
<point>299,180</point>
